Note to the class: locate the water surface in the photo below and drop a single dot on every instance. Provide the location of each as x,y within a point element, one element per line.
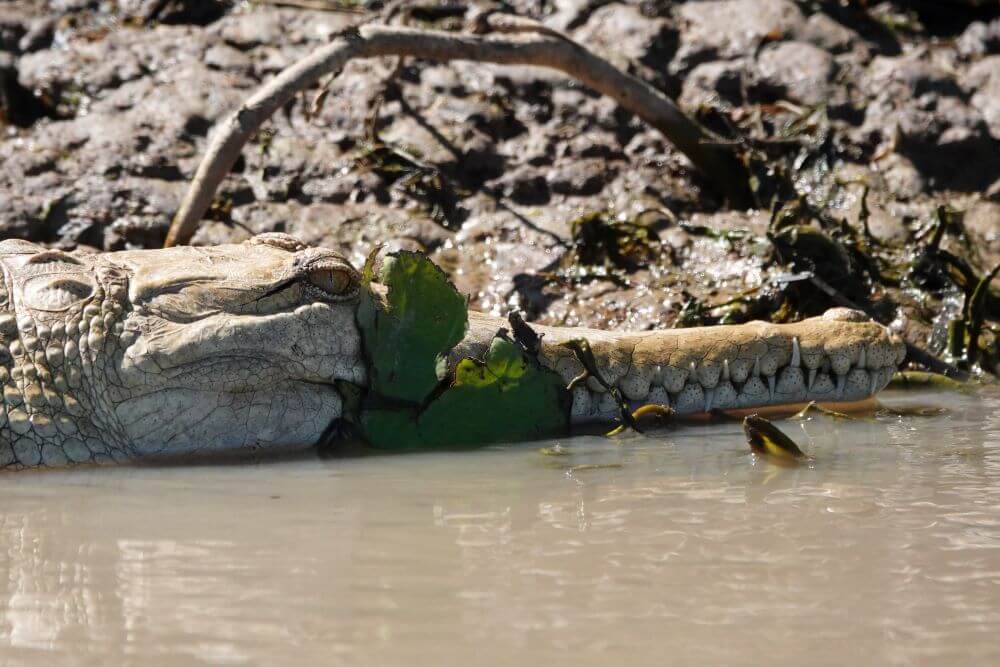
<point>676,548</point>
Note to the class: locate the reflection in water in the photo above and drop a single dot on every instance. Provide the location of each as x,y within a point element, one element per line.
<point>885,549</point>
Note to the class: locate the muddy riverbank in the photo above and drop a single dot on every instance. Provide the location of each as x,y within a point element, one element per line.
<point>876,126</point>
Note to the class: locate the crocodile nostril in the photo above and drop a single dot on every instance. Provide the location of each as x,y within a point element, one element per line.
<point>845,315</point>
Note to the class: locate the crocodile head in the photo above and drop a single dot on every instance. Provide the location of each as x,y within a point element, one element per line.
<point>123,355</point>
<point>139,353</point>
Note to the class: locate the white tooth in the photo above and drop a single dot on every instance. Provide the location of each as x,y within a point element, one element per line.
<point>694,369</point>
<point>709,398</point>
<point>812,378</point>
<point>841,383</point>
<point>756,367</point>
<point>796,353</point>
<point>874,382</point>
<point>770,386</point>
<point>862,359</point>
<point>725,370</point>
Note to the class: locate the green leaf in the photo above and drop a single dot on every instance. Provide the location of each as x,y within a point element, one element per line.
<point>392,428</point>
<point>411,317</point>
<point>408,333</point>
<point>502,399</point>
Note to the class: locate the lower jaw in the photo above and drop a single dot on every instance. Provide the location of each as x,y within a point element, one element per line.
<point>767,396</point>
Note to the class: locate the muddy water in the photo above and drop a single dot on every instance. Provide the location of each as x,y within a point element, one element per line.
<point>671,549</point>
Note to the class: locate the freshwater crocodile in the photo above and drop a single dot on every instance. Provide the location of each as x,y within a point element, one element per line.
<point>144,353</point>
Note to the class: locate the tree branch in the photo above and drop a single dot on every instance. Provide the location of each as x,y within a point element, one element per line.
<point>522,47</point>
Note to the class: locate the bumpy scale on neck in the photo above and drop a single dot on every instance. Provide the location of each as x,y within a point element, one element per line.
<point>57,371</point>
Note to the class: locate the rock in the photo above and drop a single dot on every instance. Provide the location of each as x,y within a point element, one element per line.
<point>580,177</point>
<point>979,39</point>
<point>480,160</point>
<point>442,79</point>
<point>718,83</point>
<point>905,77</point>
<point>247,30</point>
<point>801,72</point>
<point>902,178</point>
<point>982,220</point>
<point>822,31</point>
<point>623,35</point>
<point>297,167</point>
<point>726,29</point>
<point>568,14</point>
<point>19,217</point>
<point>596,143</point>
<point>922,109</point>
<point>537,148</point>
<point>225,57</point>
<point>13,26</point>
<point>199,12</point>
<point>18,105</point>
<point>525,185</point>
<point>91,68</point>
<point>353,229</point>
<point>262,26</point>
<point>416,138</point>
<point>39,35</point>
<point>982,81</point>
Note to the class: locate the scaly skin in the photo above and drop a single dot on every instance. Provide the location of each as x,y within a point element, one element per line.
<point>151,353</point>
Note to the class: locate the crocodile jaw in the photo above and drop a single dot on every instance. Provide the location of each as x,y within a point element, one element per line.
<point>840,356</point>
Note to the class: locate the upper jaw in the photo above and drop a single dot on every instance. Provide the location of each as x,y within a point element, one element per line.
<point>830,358</point>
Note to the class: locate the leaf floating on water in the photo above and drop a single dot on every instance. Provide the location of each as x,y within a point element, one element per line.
<point>662,413</point>
<point>925,380</point>
<point>765,439</point>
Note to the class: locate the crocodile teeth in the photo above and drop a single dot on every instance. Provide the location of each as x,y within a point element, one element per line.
<point>874,382</point>
<point>756,367</point>
<point>862,359</point>
<point>709,399</point>
<point>796,353</point>
<point>811,380</point>
<point>841,383</point>
<point>725,370</point>
<point>770,387</point>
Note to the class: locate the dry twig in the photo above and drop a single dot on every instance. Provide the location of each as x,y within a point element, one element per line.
<point>522,47</point>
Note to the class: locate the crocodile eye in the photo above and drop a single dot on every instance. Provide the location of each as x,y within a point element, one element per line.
<point>333,282</point>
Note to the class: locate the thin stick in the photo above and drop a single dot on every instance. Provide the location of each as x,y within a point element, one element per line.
<point>527,48</point>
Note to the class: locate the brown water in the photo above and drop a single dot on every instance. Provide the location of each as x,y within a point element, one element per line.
<point>678,549</point>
